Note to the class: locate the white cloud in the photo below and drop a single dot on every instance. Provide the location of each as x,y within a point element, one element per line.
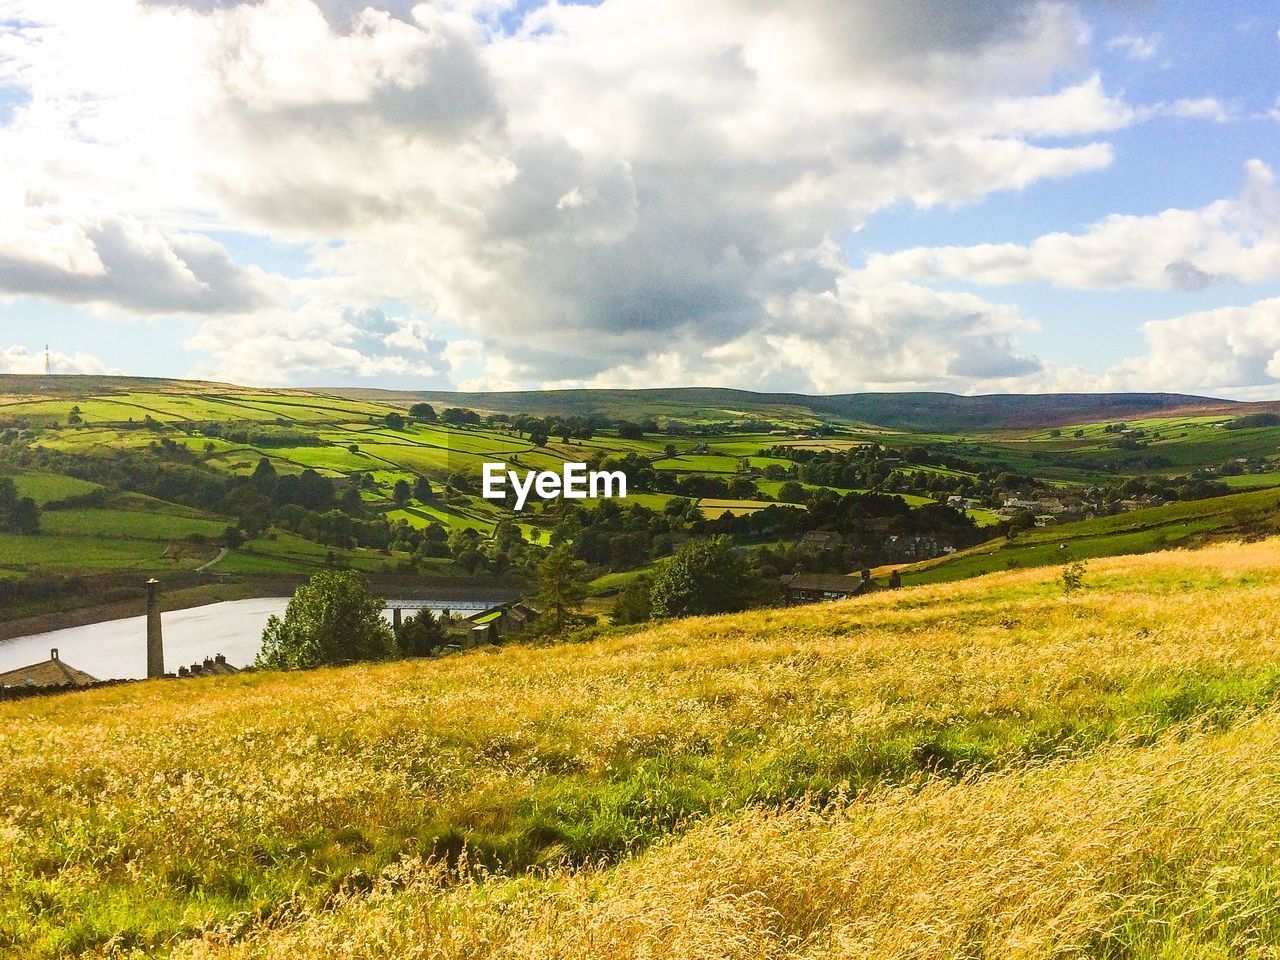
<point>1222,352</point>
<point>1136,47</point>
<point>583,194</point>
<point>18,359</point>
<point>1235,240</point>
<point>1198,108</point>
<point>311,343</point>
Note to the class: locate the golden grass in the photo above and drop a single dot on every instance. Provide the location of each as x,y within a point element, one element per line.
<point>1165,851</point>
<point>139,816</point>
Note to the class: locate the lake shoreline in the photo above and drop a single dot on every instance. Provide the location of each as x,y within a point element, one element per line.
<point>248,588</point>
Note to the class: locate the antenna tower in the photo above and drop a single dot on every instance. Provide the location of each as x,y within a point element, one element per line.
<point>47,367</point>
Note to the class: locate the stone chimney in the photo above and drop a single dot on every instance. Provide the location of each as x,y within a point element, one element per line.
<point>155,641</point>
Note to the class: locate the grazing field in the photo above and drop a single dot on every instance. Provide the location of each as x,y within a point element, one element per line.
<point>989,768</point>
<point>47,488</point>
<point>1137,531</point>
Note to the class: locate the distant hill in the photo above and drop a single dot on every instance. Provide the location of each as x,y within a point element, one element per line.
<point>916,412</point>
<point>910,412</point>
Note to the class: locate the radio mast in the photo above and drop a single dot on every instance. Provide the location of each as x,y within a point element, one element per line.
<point>47,368</point>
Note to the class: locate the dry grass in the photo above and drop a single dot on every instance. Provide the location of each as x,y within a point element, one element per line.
<point>143,815</point>
<point>1164,851</point>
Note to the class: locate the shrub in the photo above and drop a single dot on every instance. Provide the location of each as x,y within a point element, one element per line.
<point>332,618</point>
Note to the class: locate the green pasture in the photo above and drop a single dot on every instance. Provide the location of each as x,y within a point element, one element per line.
<point>46,488</point>
<point>1138,531</point>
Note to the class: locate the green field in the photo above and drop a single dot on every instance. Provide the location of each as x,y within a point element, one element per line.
<point>46,488</point>
<point>716,434</point>
<point>1139,531</point>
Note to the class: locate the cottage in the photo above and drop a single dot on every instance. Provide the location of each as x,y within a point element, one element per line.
<point>814,587</point>
<point>215,666</point>
<point>821,539</point>
<point>48,673</point>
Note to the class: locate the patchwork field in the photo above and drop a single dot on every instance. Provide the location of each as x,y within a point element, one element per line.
<point>1139,531</point>
<point>988,768</point>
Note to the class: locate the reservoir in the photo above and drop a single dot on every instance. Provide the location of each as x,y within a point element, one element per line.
<point>117,649</point>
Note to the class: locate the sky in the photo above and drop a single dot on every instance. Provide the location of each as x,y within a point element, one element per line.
<point>820,196</point>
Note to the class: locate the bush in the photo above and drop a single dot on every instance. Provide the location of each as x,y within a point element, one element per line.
<point>332,618</point>
<point>706,576</point>
<point>634,604</point>
<point>421,635</point>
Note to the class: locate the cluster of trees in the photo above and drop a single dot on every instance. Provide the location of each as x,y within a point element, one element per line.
<point>252,433</point>
<point>619,536</point>
<point>334,619</point>
<point>706,575</point>
<point>17,514</point>
<point>1166,488</point>
<point>1253,420</point>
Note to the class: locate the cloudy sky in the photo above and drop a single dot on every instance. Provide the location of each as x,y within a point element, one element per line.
<point>810,195</point>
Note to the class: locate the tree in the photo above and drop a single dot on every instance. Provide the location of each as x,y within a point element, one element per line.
<point>232,537</point>
<point>350,500</point>
<point>353,448</point>
<point>421,635</point>
<point>633,604</point>
<point>401,492</point>
<point>1073,576</point>
<point>423,412</point>
<point>791,492</point>
<point>422,491</point>
<point>630,431</point>
<point>17,514</point>
<point>706,576</point>
<point>394,421</point>
<point>264,474</point>
<point>560,589</point>
<point>332,618</point>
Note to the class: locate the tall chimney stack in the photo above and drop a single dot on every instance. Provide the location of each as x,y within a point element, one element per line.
<point>155,642</point>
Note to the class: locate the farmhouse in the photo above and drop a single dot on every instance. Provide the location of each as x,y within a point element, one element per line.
<point>48,673</point>
<point>215,666</point>
<point>814,587</point>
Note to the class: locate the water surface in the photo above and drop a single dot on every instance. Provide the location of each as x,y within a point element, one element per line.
<point>117,649</point>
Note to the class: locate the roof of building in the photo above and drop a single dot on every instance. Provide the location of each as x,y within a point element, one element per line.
<point>826,582</point>
<point>48,673</point>
<point>215,666</point>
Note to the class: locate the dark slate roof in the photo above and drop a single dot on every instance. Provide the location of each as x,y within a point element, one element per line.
<point>48,673</point>
<point>826,582</point>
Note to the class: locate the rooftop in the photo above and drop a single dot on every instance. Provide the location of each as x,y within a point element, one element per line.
<point>48,673</point>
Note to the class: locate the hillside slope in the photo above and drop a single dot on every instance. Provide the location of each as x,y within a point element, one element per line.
<point>686,771</point>
<point>918,412</point>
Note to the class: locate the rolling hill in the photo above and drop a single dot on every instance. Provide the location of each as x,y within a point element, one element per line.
<point>989,768</point>
<point>914,412</point>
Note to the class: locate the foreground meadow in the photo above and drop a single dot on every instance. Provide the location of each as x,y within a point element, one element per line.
<point>1002,768</point>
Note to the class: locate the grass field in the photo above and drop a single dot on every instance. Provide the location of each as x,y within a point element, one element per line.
<point>988,768</point>
<point>47,488</point>
<point>1138,531</point>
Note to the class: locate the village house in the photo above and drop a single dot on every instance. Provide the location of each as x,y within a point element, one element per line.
<point>909,548</point>
<point>215,666</point>
<point>821,540</point>
<point>47,673</point>
<point>815,587</point>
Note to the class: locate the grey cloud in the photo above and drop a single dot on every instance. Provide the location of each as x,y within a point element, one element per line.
<point>143,271</point>
<point>341,14</point>
<point>1185,276</point>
